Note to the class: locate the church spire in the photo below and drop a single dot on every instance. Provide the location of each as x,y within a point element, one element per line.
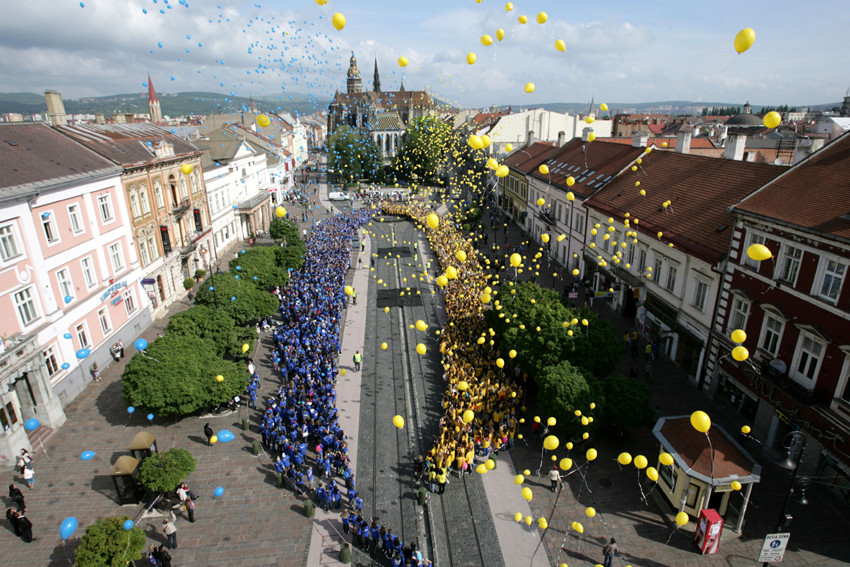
<point>376,81</point>
<point>153,103</point>
<point>353,82</point>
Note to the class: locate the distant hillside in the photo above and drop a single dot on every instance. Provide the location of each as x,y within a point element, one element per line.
<point>179,104</point>
<point>668,106</point>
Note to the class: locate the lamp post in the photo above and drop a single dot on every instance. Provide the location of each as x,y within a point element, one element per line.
<point>789,463</point>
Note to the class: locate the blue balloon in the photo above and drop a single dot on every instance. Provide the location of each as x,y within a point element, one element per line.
<point>225,436</point>
<point>218,492</point>
<point>242,252</point>
<point>238,267</point>
<point>211,288</point>
<point>65,366</point>
<point>131,409</point>
<point>66,336</point>
<point>83,352</point>
<point>255,277</point>
<point>233,298</point>
<point>237,277</point>
<point>140,344</point>
<point>150,417</point>
<point>128,525</point>
<point>87,455</point>
<point>68,527</point>
<point>31,424</point>
<point>68,299</point>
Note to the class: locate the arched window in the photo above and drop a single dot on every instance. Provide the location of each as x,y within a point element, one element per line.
<point>160,202</point>
<point>183,187</point>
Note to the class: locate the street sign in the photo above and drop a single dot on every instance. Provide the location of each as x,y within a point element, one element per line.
<point>773,549</point>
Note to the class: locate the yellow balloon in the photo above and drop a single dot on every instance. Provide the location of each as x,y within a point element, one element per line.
<point>386,309</point>
<point>500,34</point>
<point>460,255</point>
<point>590,137</point>
<point>384,346</point>
<point>321,2</point>
<point>502,171</point>
<point>551,421</point>
<point>518,516</point>
<point>471,58</point>
<point>486,40</point>
<point>420,348</point>
<point>759,252</point>
<point>589,119</point>
<point>700,421</point>
<point>451,272</point>
<point>280,212</point>
<point>624,459</point>
<point>475,141</point>
<point>509,6</point>
<point>641,462</point>
<point>591,454</point>
<point>398,421</point>
<point>214,439</point>
<point>739,336</point>
<point>603,107</point>
<point>745,39</point>
<point>542,523</point>
<point>772,119</point>
<point>551,443</point>
<point>219,378</point>
<point>540,202</point>
<point>652,474</point>
<point>509,148</point>
<point>402,61</point>
<point>442,281</point>
<point>529,88</point>
<point>526,472</point>
<point>571,181</point>
<point>665,459</point>
<point>528,520</point>
<point>338,21</point>
<point>542,17</point>
<point>263,121</point>
<point>681,519</point>
<point>500,363</point>
<point>736,485</point>
<point>516,260</point>
<point>462,385</point>
<point>740,353</point>
<point>746,430</point>
<point>468,416</point>
<point>432,220</point>
<point>349,290</point>
<point>578,527</point>
<point>544,237</point>
<point>490,464</point>
<point>481,469</point>
<point>421,325</point>
<point>342,371</point>
<point>565,464</point>
<point>523,19</point>
<point>527,494</point>
<point>187,168</point>
<point>560,45</point>
<point>512,354</point>
<point>591,512</point>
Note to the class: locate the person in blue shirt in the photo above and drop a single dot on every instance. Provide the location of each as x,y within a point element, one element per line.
<point>358,503</point>
<point>320,496</point>
<point>345,522</point>
<point>375,532</point>
<point>336,495</point>
<point>397,560</point>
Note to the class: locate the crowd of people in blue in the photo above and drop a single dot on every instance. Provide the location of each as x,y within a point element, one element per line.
<point>300,422</point>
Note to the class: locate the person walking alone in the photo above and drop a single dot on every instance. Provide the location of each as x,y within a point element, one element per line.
<point>170,531</point>
<point>26,527</point>
<point>554,477</point>
<point>358,358</point>
<point>609,551</point>
<point>209,434</point>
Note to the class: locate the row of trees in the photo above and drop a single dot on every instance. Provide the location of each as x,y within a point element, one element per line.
<point>568,368</point>
<point>177,374</point>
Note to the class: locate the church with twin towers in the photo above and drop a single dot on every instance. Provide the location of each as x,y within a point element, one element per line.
<point>383,115</point>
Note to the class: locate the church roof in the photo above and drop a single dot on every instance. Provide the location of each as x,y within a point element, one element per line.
<point>744,119</point>
<point>388,121</point>
<point>388,99</point>
<point>151,91</point>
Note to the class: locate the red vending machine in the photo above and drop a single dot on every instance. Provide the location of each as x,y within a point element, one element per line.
<point>707,534</point>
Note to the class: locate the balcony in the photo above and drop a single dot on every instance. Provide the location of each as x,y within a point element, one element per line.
<point>190,244</point>
<point>551,221</point>
<point>180,208</point>
<point>792,388</point>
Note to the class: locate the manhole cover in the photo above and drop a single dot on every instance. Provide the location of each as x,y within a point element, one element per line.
<point>605,483</point>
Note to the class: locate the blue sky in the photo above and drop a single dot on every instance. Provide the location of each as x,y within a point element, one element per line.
<point>617,51</point>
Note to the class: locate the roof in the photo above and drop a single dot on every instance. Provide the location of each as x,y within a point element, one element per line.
<point>388,121</point>
<point>237,132</point>
<point>824,179</point>
<point>525,159</point>
<point>386,98</point>
<point>700,189</point>
<point>591,164</point>
<point>219,153</point>
<point>33,156</point>
<point>659,142</point>
<point>717,460</point>
<point>126,144</point>
<point>151,91</point>
<point>745,119</point>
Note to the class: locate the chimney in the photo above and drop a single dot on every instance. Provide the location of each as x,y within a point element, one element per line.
<point>641,140</point>
<point>683,141</point>
<point>129,118</point>
<point>118,119</point>
<point>562,139</point>
<point>531,138</point>
<point>98,118</point>
<point>723,133</point>
<point>584,133</point>
<point>735,146</point>
<point>806,147</point>
<point>55,108</point>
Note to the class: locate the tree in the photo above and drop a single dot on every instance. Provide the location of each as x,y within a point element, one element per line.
<point>107,544</point>
<point>563,389</point>
<point>177,376</point>
<point>291,255</point>
<point>209,323</point>
<point>240,299</point>
<point>423,149</point>
<point>353,155</point>
<point>628,403</point>
<point>162,472</point>
<point>259,263</point>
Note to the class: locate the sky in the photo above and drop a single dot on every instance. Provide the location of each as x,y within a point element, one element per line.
<point>617,51</point>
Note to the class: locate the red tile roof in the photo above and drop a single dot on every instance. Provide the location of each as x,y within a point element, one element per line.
<point>659,142</point>
<point>527,159</point>
<point>700,188</point>
<point>694,449</point>
<point>590,163</point>
<point>813,195</point>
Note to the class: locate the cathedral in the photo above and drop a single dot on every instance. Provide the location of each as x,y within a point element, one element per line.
<point>383,115</point>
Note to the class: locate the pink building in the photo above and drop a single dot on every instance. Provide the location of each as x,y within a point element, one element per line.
<point>69,274</point>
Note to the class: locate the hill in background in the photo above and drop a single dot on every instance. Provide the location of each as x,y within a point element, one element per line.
<point>661,107</point>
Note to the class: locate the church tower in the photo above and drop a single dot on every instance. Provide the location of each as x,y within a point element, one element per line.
<point>377,80</point>
<point>845,108</point>
<point>153,103</point>
<point>354,82</point>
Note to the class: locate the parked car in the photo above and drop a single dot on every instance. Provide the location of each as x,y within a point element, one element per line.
<point>339,196</point>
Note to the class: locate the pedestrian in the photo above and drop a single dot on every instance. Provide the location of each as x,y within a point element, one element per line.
<point>209,434</point>
<point>151,555</point>
<point>354,297</point>
<point>656,346</point>
<point>345,522</point>
<point>12,516</point>
<point>633,373</point>
<point>29,477</point>
<point>121,348</point>
<point>170,531</point>
<point>26,527</point>
<point>634,349</point>
<point>554,477</point>
<point>25,460</point>
<point>648,371</point>
<point>113,350</point>
<point>162,556</point>
<point>441,479</point>
<point>647,351</point>
<point>609,551</point>
<point>358,358</point>
<point>16,496</point>
<point>189,506</point>
<point>95,372</point>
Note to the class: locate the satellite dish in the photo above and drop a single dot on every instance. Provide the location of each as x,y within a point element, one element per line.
<point>777,368</point>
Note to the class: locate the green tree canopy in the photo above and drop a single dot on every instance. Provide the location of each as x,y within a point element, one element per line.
<point>178,376</point>
<point>260,263</point>
<point>353,155</point>
<point>217,326</point>
<point>250,302</point>
<point>628,403</point>
<point>423,149</point>
<point>563,389</point>
<point>291,255</point>
<point>162,472</point>
<point>107,544</point>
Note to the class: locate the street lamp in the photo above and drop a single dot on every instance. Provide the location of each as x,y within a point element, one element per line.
<point>792,464</point>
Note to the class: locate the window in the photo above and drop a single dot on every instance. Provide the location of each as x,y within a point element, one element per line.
<point>671,279</point>
<point>833,276</point>
<point>105,208</point>
<point>790,264</point>
<point>160,203</point>
<point>103,317</point>
<point>129,301</point>
<point>50,230</point>
<point>656,271</point>
<point>143,199</point>
<point>740,311</point>
<point>579,225</point>
<point>700,293</point>
<point>771,334</point>
<point>88,272</point>
<point>641,260</point>
<point>8,243</point>
<point>668,473</point>
<point>50,361</point>
<point>116,257</point>
<point>809,355</point>
<point>134,205</point>
<point>26,306</point>
<point>754,239</point>
<point>631,254</point>
<point>83,335</point>
<point>66,288</point>
<point>143,252</point>
<point>152,249</point>
<point>183,188</point>
<point>76,219</point>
